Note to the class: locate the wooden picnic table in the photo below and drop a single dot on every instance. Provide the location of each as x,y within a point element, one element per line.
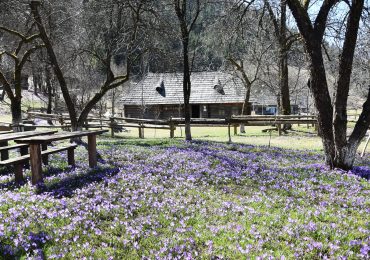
<point>35,143</point>
<point>4,138</point>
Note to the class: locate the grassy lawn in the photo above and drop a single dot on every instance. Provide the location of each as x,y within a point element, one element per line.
<point>301,137</point>
<point>170,199</point>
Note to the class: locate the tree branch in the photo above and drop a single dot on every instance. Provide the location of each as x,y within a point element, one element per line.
<point>6,85</point>
<point>34,5</point>
<point>11,55</point>
<point>301,16</point>
<point>97,97</point>
<point>239,67</point>
<point>273,18</point>
<point>28,53</point>
<point>197,12</point>
<point>322,17</point>
<point>292,39</point>
<point>259,63</point>
<point>13,32</point>
<point>345,71</point>
<point>306,4</point>
<point>362,124</point>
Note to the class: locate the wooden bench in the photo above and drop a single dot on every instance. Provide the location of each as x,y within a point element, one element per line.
<point>11,147</point>
<point>18,162</point>
<point>5,148</point>
<point>5,138</point>
<point>36,142</point>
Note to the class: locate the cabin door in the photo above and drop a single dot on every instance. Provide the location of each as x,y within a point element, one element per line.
<point>195,111</point>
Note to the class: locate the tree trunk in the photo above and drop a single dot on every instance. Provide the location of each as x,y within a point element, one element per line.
<point>246,109</point>
<point>284,83</point>
<point>53,59</point>
<point>319,89</point>
<point>113,102</point>
<point>186,87</point>
<point>50,94</point>
<point>187,114</point>
<point>35,83</point>
<point>345,156</point>
<point>95,99</point>
<point>283,66</point>
<point>16,109</point>
<point>340,152</point>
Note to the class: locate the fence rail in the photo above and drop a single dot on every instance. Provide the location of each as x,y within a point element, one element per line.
<point>119,123</point>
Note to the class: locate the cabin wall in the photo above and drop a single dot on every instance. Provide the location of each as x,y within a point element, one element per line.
<point>153,112</point>
<point>197,111</point>
<point>224,110</point>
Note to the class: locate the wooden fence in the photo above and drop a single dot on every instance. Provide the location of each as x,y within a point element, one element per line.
<point>119,123</point>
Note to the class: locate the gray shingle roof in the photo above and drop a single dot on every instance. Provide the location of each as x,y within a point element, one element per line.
<point>203,89</point>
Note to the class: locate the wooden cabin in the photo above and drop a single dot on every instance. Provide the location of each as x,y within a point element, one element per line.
<point>213,95</point>
<point>160,96</point>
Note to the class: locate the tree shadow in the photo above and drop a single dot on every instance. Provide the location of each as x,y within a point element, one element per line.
<point>362,171</point>
<point>82,143</point>
<point>12,185</point>
<point>67,186</point>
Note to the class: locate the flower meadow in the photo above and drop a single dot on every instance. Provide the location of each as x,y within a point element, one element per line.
<point>188,200</point>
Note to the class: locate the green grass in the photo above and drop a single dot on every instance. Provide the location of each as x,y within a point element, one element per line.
<point>301,138</point>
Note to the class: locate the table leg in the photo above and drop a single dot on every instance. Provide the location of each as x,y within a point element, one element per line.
<point>71,156</point>
<point>35,158</point>
<point>45,158</point>
<point>24,151</point>
<point>91,142</point>
<point>18,171</point>
<point>4,154</point>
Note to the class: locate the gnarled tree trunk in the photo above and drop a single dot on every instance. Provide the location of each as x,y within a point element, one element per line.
<point>16,109</point>
<point>340,152</point>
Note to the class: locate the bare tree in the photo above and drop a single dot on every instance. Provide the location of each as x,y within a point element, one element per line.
<point>332,117</point>
<point>187,13</point>
<point>19,54</point>
<point>105,56</point>
<point>245,44</point>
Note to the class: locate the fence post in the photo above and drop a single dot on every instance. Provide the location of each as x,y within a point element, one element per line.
<point>61,120</point>
<point>317,129</point>
<point>111,125</point>
<point>28,113</point>
<point>279,129</point>
<point>141,131</point>
<point>172,129</point>
<point>228,129</point>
